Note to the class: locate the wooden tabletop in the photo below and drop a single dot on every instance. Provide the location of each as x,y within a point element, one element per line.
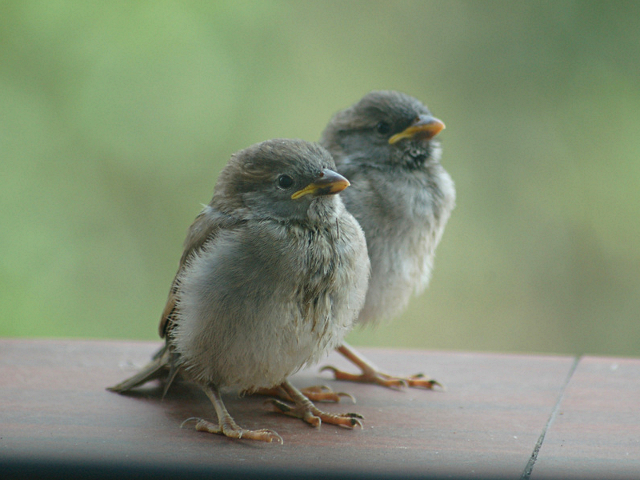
<point>501,416</point>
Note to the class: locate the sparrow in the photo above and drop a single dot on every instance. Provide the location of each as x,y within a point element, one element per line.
<point>401,196</point>
<point>273,274</point>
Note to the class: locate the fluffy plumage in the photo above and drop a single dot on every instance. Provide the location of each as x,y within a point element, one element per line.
<point>400,194</point>
<point>273,275</point>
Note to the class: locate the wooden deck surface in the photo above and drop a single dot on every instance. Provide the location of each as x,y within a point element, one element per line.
<point>501,416</point>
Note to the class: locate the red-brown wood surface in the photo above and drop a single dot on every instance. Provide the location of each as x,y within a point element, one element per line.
<point>487,422</point>
<point>596,431</point>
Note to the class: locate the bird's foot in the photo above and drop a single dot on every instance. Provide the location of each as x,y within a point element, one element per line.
<point>317,393</point>
<point>370,375</point>
<point>314,416</point>
<point>324,393</point>
<point>231,429</point>
<point>308,412</point>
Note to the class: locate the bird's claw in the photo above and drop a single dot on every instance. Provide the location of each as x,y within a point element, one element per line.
<point>373,376</point>
<point>314,417</point>
<point>421,380</point>
<point>232,430</point>
<point>324,393</point>
<point>190,419</point>
<point>317,393</point>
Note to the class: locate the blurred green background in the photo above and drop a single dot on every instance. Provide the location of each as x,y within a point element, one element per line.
<point>116,117</point>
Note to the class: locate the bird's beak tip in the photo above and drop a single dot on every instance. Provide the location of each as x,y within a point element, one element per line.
<point>425,127</point>
<point>327,183</point>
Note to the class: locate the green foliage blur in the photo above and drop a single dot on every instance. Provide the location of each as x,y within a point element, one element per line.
<point>116,117</point>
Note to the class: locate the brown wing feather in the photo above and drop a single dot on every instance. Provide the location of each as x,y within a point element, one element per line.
<point>204,227</point>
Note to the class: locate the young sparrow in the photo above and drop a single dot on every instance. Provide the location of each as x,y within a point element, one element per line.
<point>273,275</point>
<point>402,197</point>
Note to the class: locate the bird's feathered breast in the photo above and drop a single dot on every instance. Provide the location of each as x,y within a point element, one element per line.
<point>277,286</point>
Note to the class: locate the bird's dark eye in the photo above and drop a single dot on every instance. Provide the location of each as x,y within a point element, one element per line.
<point>383,128</point>
<point>285,181</point>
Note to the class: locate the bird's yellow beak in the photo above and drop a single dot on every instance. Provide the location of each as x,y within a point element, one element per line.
<point>327,183</point>
<point>425,126</point>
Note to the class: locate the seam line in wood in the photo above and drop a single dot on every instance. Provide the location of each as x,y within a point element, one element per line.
<point>526,474</point>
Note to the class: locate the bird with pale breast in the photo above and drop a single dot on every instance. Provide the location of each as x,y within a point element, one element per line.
<point>273,274</point>
<point>386,146</point>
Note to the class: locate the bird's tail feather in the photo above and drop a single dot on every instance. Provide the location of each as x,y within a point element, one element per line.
<point>160,364</point>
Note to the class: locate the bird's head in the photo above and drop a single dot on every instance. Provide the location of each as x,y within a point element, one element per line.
<point>384,128</point>
<point>279,179</point>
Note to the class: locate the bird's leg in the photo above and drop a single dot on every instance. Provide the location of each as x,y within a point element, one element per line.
<point>226,425</point>
<point>371,373</point>
<point>317,393</point>
<point>307,411</point>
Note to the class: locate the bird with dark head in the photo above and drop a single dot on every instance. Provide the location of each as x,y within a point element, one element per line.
<point>273,275</point>
<point>402,197</point>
